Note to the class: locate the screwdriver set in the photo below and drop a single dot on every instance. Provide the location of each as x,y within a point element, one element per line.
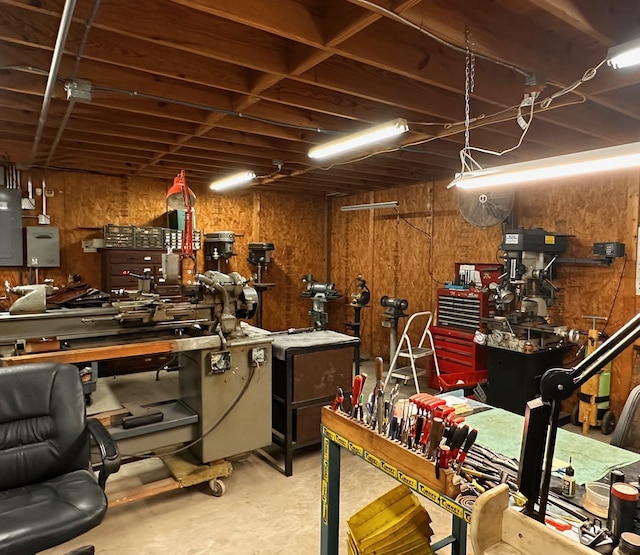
<point>422,442</point>
<point>426,426</point>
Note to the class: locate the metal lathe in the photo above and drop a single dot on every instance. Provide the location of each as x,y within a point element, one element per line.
<point>223,406</point>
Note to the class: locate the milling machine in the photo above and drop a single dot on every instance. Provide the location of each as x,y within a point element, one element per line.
<point>223,406</point>
<point>529,258</point>
<point>525,293</point>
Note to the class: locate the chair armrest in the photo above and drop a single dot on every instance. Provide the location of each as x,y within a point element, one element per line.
<point>108,450</point>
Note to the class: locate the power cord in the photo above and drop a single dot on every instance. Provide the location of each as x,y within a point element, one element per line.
<point>210,430</point>
<point>401,217</point>
<point>615,296</point>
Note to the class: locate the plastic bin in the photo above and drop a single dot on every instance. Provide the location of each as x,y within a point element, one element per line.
<point>462,380</point>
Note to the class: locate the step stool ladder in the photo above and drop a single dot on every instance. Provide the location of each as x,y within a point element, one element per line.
<point>405,350</point>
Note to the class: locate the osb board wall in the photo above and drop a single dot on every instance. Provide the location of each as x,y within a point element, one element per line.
<point>394,257</point>
<point>82,204</point>
<point>296,227</point>
<point>592,209</point>
<point>402,254</point>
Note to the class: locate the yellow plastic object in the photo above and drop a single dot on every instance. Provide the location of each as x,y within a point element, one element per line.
<point>394,524</point>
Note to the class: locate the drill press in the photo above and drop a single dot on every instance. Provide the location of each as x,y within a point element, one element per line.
<point>260,258</point>
<point>218,247</point>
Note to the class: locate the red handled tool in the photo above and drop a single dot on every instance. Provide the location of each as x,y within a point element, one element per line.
<point>355,394</point>
<point>337,402</point>
<point>457,439</point>
<point>443,459</point>
<point>471,438</point>
<point>557,524</point>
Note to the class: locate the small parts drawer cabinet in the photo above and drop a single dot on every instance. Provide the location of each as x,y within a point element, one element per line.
<point>136,261</point>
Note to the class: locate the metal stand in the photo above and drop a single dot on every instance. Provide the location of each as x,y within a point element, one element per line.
<point>260,288</point>
<point>260,257</point>
<point>394,310</point>
<point>355,325</point>
<point>294,409</point>
<point>392,324</point>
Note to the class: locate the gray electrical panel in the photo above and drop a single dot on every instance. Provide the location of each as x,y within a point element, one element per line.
<point>43,246</point>
<point>10,228</point>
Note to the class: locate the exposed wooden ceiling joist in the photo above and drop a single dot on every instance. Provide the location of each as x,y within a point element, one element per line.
<point>243,83</point>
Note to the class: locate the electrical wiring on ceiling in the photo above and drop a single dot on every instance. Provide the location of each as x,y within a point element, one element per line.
<point>224,111</point>
<point>184,103</point>
<point>400,19</point>
<point>454,129</point>
<point>468,163</point>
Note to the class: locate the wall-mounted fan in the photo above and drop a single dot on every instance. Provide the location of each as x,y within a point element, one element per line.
<point>484,209</point>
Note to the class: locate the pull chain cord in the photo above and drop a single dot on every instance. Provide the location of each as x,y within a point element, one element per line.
<point>467,161</point>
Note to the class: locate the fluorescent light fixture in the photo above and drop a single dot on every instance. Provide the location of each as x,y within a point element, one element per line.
<point>232,181</point>
<point>368,136</point>
<point>370,206</point>
<point>624,55</point>
<point>579,163</point>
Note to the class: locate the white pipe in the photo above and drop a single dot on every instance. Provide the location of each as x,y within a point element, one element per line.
<point>72,102</point>
<point>44,197</point>
<point>58,51</point>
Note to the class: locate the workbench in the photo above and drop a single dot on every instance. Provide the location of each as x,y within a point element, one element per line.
<point>499,430</point>
<point>414,470</point>
<point>307,369</point>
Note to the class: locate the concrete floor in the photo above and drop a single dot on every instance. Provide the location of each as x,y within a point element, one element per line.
<point>262,512</point>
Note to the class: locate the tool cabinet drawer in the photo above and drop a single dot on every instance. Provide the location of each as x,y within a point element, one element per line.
<point>457,353</point>
<point>133,267</point>
<point>129,256</point>
<point>137,261</point>
<point>306,422</point>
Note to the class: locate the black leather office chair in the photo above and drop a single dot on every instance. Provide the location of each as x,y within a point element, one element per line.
<point>627,431</point>
<point>48,492</point>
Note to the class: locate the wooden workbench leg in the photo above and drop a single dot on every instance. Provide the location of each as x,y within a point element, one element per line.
<point>459,532</point>
<point>330,509</point>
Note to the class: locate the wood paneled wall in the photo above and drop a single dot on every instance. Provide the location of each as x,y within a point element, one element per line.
<point>395,257</point>
<point>405,253</point>
<point>83,203</point>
